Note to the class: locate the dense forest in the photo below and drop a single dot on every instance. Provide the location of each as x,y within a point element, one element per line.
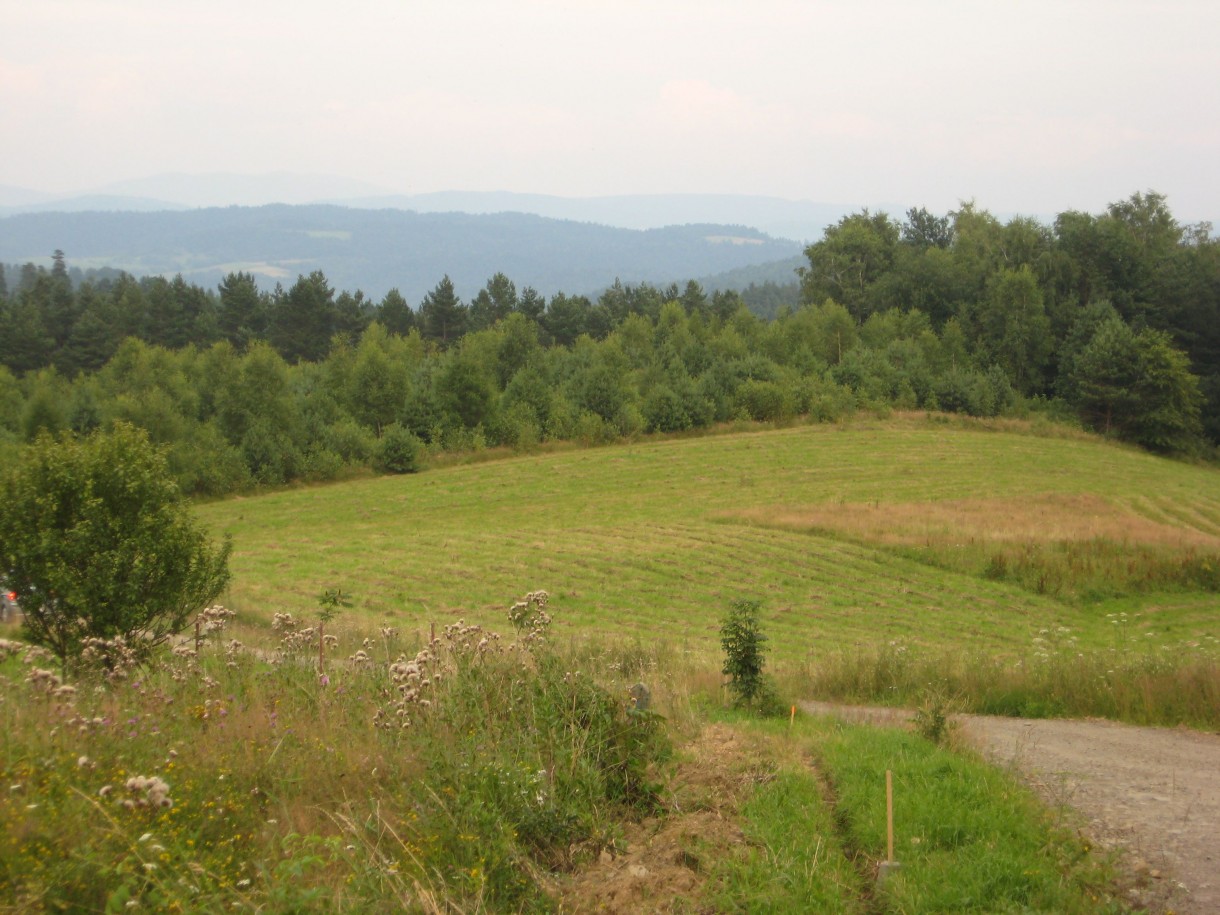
<point>1111,319</point>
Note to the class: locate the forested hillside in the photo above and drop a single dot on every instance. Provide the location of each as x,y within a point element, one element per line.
<point>1110,318</point>
<point>377,250</point>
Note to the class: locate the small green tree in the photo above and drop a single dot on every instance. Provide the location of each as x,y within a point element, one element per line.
<point>742,637</point>
<point>398,451</point>
<point>1136,385</point>
<point>98,543</point>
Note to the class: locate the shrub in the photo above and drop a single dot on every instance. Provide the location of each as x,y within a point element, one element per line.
<point>98,543</point>
<point>664,411</point>
<point>398,451</point>
<point>742,638</point>
<point>764,401</point>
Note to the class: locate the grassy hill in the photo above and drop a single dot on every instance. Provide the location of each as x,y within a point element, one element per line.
<point>912,529</point>
<point>476,774</point>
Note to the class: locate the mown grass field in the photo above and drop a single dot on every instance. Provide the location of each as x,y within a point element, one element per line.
<point>512,775</point>
<point>851,535</point>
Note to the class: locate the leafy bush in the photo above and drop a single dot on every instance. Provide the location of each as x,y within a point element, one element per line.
<point>742,638</point>
<point>98,543</point>
<point>398,451</point>
<point>765,401</point>
<point>664,411</point>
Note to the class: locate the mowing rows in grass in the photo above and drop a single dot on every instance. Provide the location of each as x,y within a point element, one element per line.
<point>634,538</point>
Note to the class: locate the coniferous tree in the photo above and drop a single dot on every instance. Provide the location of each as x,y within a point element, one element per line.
<point>395,315</point>
<point>242,316</point>
<point>442,314</point>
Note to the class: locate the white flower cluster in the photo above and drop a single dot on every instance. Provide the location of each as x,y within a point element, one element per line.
<point>142,791</point>
<point>416,680</point>
<point>529,616</point>
<point>296,641</point>
<point>84,724</point>
<point>47,681</point>
<point>412,680</point>
<point>112,658</point>
<point>9,647</point>
<point>470,640</point>
<point>214,618</point>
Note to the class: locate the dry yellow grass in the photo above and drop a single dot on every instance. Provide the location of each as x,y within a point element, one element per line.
<point>1046,518</point>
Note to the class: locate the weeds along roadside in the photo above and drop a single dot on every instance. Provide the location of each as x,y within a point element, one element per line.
<point>283,794</point>
<point>967,836</point>
<point>452,774</point>
<point>1135,680</point>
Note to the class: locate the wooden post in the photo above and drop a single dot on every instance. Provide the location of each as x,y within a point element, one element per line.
<point>197,638</point>
<point>889,815</point>
<point>321,648</point>
<point>791,718</point>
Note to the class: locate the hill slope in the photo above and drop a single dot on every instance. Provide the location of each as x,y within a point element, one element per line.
<point>656,539</point>
<point>376,250</point>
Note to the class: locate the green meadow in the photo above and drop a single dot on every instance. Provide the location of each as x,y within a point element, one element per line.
<point>915,529</point>
<point>1001,567</point>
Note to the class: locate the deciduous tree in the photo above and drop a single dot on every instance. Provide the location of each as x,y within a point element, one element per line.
<point>98,542</point>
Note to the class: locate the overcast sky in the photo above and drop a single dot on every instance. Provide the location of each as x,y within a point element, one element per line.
<point>1031,107</point>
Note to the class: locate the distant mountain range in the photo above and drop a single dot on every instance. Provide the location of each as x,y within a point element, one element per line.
<point>377,249</point>
<point>800,220</point>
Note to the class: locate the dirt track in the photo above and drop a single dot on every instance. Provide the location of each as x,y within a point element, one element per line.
<point>1152,792</point>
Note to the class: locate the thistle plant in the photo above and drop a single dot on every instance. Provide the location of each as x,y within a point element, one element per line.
<point>331,601</point>
<point>529,617</point>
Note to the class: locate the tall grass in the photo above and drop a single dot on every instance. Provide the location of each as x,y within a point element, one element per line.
<point>967,838</point>
<point>456,778</point>
<point>1171,684</point>
<point>793,858</point>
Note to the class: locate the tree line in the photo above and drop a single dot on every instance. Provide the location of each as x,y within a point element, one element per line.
<point>1107,318</point>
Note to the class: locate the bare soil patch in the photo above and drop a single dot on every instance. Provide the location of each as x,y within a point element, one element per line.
<point>1046,518</point>
<point>661,864</point>
<point>1150,794</point>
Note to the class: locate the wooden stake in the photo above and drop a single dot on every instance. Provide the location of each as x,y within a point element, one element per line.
<point>197,638</point>
<point>792,718</point>
<point>321,649</point>
<point>889,815</point>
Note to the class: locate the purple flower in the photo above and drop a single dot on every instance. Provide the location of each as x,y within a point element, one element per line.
<point>324,680</point>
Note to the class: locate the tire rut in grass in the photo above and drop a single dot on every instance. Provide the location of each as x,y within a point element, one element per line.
<point>862,864</point>
<point>662,863</point>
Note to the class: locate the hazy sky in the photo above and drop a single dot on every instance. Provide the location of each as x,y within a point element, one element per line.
<point>1031,106</point>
